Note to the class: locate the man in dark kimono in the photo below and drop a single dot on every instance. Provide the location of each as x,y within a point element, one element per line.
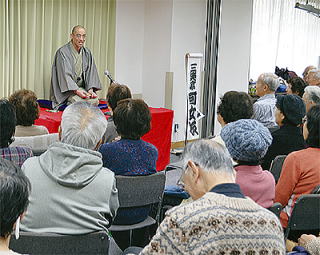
<point>74,73</point>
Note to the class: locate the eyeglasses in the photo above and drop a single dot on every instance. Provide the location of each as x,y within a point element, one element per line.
<point>79,36</point>
<point>180,182</point>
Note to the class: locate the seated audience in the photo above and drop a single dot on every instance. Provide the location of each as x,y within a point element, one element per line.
<point>14,192</point>
<point>27,111</point>
<point>264,107</point>
<point>311,96</point>
<point>301,169</point>
<point>289,114</point>
<point>247,142</point>
<point>306,71</point>
<point>233,106</point>
<point>7,127</point>
<point>72,193</point>
<point>313,77</point>
<point>116,92</point>
<point>130,155</point>
<point>220,219</point>
<point>296,86</point>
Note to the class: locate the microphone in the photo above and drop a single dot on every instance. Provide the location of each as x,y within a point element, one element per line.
<point>106,72</point>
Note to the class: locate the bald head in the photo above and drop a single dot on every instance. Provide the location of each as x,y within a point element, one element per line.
<point>75,29</point>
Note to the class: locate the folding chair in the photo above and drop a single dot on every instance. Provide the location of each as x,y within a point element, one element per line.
<point>134,191</point>
<point>276,166</point>
<point>276,209</point>
<point>54,244</point>
<point>305,214</point>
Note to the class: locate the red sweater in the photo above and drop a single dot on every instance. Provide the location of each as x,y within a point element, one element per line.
<point>300,174</point>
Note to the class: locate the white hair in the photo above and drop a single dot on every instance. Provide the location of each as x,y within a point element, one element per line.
<point>313,93</point>
<point>82,125</point>
<point>271,80</point>
<point>209,155</point>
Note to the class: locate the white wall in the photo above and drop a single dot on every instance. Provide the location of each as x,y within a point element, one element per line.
<point>234,48</point>
<point>188,36</point>
<point>153,36</point>
<point>129,43</point>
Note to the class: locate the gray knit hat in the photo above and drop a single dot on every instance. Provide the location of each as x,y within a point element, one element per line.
<point>246,140</point>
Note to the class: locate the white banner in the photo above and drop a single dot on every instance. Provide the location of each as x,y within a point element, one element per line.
<point>193,73</point>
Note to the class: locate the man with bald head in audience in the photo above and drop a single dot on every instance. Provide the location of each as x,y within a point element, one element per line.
<point>74,74</point>
<point>72,193</point>
<point>264,108</point>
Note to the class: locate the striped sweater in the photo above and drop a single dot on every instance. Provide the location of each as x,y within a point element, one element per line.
<point>217,224</point>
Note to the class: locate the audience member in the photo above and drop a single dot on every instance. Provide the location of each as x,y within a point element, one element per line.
<point>247,142</point>
<point>233,106</point>
<point>311,96</point>
<point>301,169</point>
<point>131,155</point>
<point>14,192</point>
<point>306,71</point>
<point>289,114</point>
<point>313,77</point>
<point>220,218</point>
<point>71,191</point>
<point>116,92</point>
<point>311,243</point>
<point>296,86</point>
<point>27,111</point>
<point>264,107</point>
<point>7,127</point>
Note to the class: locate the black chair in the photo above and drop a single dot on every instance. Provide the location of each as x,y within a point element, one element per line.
<point>305,214</point>
<point>276,166</point>
<point>54,244</point>
<point>137,191</point>
<point>316,190</point>
<point>276,209</point>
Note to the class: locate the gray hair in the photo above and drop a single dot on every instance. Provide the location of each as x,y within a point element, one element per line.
<point>313,93</point>
<point>271,80</point>
<point>209,155</point>
<point>82,125</point>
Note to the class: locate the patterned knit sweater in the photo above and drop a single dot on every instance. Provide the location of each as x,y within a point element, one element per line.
<point>217,224</point>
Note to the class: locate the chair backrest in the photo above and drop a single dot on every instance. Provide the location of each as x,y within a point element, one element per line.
<point>53,244</point>
<point>276,209</point>
<point>305,214</point>
<point>38,143</point>
<point>140,190</point>
<point>276,166</point>
<point>316,190</point>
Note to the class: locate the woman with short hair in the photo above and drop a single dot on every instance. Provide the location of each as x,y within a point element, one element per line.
<point>7,128</point>
<point>27,111</point>
<point>14,193</point>
<point>301,169</point>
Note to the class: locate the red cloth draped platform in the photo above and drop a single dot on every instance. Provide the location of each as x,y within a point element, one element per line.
<point>159,135</point>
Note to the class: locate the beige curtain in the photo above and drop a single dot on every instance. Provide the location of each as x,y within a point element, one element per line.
<point>32,30</point>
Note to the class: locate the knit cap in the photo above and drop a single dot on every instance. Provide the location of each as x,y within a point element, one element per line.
<point>292,107</point>
<point>246,140</point>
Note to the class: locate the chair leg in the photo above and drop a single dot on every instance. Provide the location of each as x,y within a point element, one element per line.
<point>130,237</point>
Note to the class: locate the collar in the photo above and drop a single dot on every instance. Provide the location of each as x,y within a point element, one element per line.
<point>247,168</point>
<point>267,96</point>
<point>228,189</point>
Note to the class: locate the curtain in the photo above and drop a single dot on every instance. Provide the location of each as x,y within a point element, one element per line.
<point>210,66</point>
<point>32,30</point>
<point>284,36</point>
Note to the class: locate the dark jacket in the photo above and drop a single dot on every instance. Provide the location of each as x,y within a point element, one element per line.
<point>286,139</point>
